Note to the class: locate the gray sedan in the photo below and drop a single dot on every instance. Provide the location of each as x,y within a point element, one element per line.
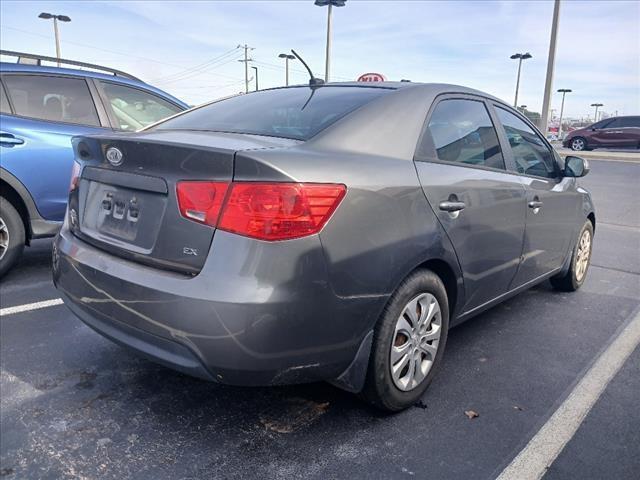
<point>325,232</point>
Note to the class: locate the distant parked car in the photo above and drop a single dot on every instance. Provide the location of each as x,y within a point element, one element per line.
<point>42,108</point>
<point>336,235</point>
<point>622,132</point>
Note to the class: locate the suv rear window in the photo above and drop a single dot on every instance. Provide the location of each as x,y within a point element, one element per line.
<point>55,99</point>
<point>295,112</point>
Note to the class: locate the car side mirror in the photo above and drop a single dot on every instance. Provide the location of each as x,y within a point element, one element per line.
<point>575,166</point>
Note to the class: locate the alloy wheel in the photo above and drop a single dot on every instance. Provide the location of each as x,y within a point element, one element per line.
<point>415,341</point>
<point>577,144</point>
<point>582,257</point>
<point>4,238</point>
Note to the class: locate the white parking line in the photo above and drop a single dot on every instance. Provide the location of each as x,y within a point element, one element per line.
<point>30,306</point>
<point>541,451</point>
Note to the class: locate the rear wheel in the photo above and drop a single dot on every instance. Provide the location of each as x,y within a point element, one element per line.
<point>580,259</point>
<point>408,343</point>
<point>12,236</point>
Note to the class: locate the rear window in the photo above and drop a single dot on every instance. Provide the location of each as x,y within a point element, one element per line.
<point>296,112</point>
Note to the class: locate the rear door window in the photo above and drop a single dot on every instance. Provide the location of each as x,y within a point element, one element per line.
<point>56,99</point>
<point>134,108</point>
<point>627,122</point>
<point>462,132</point>
<point>4,101</point>
<point>530,153</point>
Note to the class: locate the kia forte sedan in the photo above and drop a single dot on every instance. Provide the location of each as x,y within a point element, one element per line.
<point>326,232</point>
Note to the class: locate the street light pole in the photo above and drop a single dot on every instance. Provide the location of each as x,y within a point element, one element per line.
<point>330,4</point>
<point>597,105</point>
<point>286,57</point>
<point>55,18</point>
<point>551,60</point>
<point>564,91</point>
<point>520,57</point>
<point>256,69</point>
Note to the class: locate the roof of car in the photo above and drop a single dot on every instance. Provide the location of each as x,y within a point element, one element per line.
<point>6,67</point>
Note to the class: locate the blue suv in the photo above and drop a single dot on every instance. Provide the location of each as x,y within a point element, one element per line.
<point>41,108</point>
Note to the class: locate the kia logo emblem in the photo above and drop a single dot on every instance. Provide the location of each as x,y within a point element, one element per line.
<point>114,156</point>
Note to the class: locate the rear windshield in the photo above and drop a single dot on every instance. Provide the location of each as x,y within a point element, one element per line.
<point>296,112</point>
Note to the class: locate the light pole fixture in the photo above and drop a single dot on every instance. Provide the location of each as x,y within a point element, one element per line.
<point>62,18</point>
<point>563,91</point>
<point>286,57</point>
<point>520,57</point>
<point>256,69</point>
<point>330,4</point>
<point>597,105</point>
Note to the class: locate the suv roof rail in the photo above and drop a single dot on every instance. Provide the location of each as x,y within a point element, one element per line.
<point>39,58</point>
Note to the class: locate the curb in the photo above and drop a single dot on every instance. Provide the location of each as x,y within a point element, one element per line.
<point>631,157</point>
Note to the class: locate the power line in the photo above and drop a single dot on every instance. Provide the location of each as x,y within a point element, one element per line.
<point>93,47</point>
<point>204,70</point>
<point>198,67</point>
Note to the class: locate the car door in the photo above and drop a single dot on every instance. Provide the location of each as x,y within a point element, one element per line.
<point>481,206</point>
<point>627,131</point>
<point>613,134</point>
<point>553,205</point>
<point>45,111</point>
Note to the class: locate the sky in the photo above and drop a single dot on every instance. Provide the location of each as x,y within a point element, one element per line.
<point>189,49</point>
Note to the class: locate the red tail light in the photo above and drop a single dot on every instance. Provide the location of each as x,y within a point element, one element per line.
<point>201,201</point>
<point>267,211</point>
<point>75,176</point>
<point>279,211</point>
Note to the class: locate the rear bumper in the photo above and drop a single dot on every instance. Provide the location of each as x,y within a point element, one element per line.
<point>258,313</point>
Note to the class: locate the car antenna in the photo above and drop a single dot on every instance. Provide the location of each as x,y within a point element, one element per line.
<point>313,81</point>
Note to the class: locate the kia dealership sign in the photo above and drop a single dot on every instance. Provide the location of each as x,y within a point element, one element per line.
<point>371,77</point>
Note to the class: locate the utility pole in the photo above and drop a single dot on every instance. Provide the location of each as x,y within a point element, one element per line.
<point>256,69</point>
<point>246,65</point>
<point>551,60</point>
<point>564,91</point>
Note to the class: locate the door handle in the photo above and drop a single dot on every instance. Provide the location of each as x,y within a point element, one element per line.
<point>451,206</point>
<point>10,139</point>
<point>535,205</point>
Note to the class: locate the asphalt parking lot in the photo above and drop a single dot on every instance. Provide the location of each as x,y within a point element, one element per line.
<point>75,405</point>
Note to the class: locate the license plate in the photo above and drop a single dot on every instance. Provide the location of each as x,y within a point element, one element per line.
<point>121,215</point>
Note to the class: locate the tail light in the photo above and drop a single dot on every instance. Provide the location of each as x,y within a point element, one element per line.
<point>75,176</point>
<point>201,201</point>
<point>266,211</point>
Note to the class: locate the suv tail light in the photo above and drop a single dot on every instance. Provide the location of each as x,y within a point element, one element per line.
<point>201,201</point>
<point>266,211</point>
<point>75,176</point>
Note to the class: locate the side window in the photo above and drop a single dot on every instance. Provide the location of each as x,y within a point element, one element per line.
<point>617,123</point>
<point>56,99</point>
<point>4,102</point>
<point>462,132</point>
<point>626,122</point>
<point>531,154</point>
<point>134,108</point>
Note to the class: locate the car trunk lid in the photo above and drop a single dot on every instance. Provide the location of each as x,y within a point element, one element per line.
<point>126,200</point>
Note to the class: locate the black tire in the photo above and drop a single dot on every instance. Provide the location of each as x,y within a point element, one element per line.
<point>577,146</point>
<point>16,235</point>
<point>569,282</point>
<point>380,389</point>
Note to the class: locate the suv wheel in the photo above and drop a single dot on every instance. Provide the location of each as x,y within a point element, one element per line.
<point>578,144</point>
<point>580,259</point>
<point>408,343</point>
<point>11,236</point>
